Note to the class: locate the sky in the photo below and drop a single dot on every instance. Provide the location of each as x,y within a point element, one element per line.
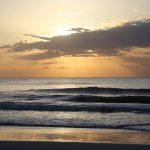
<point>67,38</point>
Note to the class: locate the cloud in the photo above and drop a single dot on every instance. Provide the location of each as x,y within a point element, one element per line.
<point>79,30</point>
<point>36,36</point>
<point>111,42</point>
<point>5,46</point>
<point>50,63</point>
<point>140,61</point>
<point>137,61</point>
<point>140,65</point>
<point>45,55</point>
<point>46,68</point>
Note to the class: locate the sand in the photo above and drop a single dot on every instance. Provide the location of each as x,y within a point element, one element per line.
<point>48,138</point>
<point>7,145</point>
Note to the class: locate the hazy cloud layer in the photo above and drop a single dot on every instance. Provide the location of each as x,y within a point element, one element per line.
<point>140,64</point>
<point>5,46</point>
<point>110,42</point>
<point>39,37</point>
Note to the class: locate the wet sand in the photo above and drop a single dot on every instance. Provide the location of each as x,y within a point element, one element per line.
<point>44,138</point>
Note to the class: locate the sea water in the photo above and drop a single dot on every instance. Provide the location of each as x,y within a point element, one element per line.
<point>108,103</point>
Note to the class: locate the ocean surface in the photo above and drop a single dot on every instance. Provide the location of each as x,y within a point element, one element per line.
<point>108,103</point>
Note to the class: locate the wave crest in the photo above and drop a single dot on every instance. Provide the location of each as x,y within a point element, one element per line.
<point>95,90</point>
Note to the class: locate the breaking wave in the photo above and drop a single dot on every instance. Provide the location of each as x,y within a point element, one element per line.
<point>97,90</point>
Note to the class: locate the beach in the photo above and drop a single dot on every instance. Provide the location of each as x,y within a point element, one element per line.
<point>43,138</point>
<point>68,146</point>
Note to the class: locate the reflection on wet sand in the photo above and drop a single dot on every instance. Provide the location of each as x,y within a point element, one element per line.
<point>73,135</point>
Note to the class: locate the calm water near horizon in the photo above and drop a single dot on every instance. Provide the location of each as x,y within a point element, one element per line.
<point>76,102</point>
<point>27,83</point>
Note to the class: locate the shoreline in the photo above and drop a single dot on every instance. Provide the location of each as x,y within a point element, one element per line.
<point>74,127</point>
<point>81,135</point>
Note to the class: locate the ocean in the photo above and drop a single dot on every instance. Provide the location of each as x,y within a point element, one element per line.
<point>106,103</point>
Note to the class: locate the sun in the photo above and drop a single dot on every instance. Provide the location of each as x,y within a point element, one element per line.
<point>62,31</point>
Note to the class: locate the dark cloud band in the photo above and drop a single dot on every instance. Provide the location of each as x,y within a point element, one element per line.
<point>110,42</point>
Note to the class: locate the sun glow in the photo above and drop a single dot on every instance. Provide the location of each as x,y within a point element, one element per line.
<point>62,31</point>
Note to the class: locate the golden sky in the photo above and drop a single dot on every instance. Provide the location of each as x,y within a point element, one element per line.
<point>88,38</point>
